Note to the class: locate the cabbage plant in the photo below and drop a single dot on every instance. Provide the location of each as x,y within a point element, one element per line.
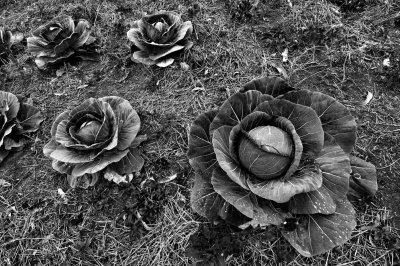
<point>59,40</point>
<point>276,156</point>
<point>155,38</point>
<point>97,138</point>
<point>7,39</point>
<point>18,118</point>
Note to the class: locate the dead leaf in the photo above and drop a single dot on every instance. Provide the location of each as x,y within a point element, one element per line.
<point>366,101</point>
<point>17,37</point>
<point>198,89</point>
<point>285,55</point>
<point>184,66</point>
<point>60,72</point>
<point>144,182</point>
<point>62,195</point>
<point>167,179</point>
<point>139,217</point>
<point>278,66</point>
<point>4,183</point>
<point>117,178</point>
<point>82,86</point>
<point>386,62</point>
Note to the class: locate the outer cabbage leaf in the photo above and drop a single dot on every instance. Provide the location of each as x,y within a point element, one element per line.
<point>363,178</point>
<point>127,119</point>
<point>232,216</point>
<point>100,163</point>
<point>29,119</point>
<point>317,201</point>
<point>237,107</point>
<point>335,166</point>
<point>201,152</point>
<point>204,200</point>
<point>281,190</point>
<point>335,117</point>
<point>227,162</point>
<point>318,233</point>
<point>3,154</point>
<point>60,153</point>
<point>9,105</point>
<point>261,211</point>
<point>131,163</point>
<point>273,86</point>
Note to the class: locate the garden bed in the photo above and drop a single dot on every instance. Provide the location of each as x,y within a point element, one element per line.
<point>332,47</point>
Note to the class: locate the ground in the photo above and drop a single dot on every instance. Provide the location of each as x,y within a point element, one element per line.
<point>337,47</point>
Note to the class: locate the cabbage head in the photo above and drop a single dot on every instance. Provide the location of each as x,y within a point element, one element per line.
<point>59,40</point>
<point>97,138</point>
<point>158,36</point>
<point>18,118</point>
<point>276,156</point>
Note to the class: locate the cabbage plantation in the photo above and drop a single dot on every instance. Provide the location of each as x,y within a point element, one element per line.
<point>236,132</point>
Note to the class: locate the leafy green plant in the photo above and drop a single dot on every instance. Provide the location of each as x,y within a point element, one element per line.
<point>274,155</point>
<point>17,119</point>
<point>98,137</point>
<point>7,39</point>
<point>61,39</point>
<point>155,38</point>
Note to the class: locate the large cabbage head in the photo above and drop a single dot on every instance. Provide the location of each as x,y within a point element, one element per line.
<point>157,36</point>
<point>98,137</point>
<point>18,118</point>
<point>59,40</point>
<point>273,155</point>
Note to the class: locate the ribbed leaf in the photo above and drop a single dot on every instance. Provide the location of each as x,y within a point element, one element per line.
<point>225,160</point>
<point>160,53</point>
<point>335,166</point>
<point>142,57</point>
<point>204,200</point>
<point>99,163</point>
<point>335,117</point>
<point>283,189</point>
<point>9,105</point>
<point>317,201</point>
<point>262,212</point>
<point>127,119</point>
<point>233,193</point>
<point>201,152</point>
<point>29,119</point>
<point>237,107</point>
<point>129,164</point>
<point>363,180</point>
<point>319,233</point>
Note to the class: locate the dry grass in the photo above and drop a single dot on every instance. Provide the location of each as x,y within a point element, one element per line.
<point>330,51</point>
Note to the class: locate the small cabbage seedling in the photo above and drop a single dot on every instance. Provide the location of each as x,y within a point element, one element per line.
<point>155,38</point>
<point>60,40</point>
